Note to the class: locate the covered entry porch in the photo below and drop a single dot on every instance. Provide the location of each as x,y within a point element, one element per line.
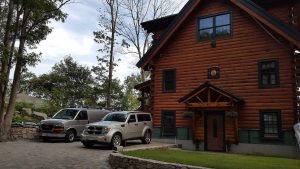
<point>214,116</point>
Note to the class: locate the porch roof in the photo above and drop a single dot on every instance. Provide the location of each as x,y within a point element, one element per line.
<point>217,101</point>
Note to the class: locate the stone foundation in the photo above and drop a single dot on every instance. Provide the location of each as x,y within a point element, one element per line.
<point>20,133</point>
<point>119,161</point>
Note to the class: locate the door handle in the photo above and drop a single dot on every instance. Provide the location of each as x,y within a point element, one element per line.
<point>136,124</point>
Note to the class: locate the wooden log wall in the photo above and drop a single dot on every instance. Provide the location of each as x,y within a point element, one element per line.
<point>238,58</point>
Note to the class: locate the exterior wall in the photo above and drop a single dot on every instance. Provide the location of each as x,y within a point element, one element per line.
<point>290,151</point>
<point>237,56</point>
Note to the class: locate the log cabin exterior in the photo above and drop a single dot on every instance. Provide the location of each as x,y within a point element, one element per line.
<point>225,72</point>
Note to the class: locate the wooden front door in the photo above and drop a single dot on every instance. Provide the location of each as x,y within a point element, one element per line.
<point>214,131</point>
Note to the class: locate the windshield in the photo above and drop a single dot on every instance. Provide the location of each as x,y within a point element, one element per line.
<point>115,117</point>
<point>66,114</point>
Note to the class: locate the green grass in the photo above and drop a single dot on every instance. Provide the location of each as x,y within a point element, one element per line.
<point>216,160</point>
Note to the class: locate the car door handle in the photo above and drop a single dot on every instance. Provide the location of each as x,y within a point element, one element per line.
<point>136,124</point>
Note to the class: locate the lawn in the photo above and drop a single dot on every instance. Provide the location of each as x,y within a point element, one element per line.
<point>216,160</point>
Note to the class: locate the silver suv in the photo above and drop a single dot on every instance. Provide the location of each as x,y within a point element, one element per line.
<point>117,127</point>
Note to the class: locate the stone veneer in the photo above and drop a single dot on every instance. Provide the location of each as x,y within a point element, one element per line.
<point>19,133</point>
<point>119,161</point>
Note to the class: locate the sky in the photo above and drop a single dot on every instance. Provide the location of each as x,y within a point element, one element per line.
<point>75,37</point>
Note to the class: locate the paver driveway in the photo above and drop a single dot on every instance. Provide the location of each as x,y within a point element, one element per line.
<point>40,155</point>
<point>59,155</point>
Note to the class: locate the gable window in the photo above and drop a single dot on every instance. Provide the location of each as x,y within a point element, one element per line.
<point>268,74</point>
<point>169,80</point>
<point>213,27</point>
<point>270,124</point>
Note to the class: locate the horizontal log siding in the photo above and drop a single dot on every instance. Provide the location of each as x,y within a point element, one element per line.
<point>238,58</point>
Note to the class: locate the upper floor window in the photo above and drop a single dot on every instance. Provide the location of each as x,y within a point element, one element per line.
<point>268,73</point>
<point>169,80</point>
<point>216,26</point>
<point>270,124</point>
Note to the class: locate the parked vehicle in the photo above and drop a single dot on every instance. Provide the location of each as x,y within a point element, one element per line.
<point>30,125</point>
<point>16,124</point>
<point>117,127</point>
<point>69,123</point>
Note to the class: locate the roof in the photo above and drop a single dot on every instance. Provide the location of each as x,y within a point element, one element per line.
<point>247,5</point>
<point>145,86</point>
<point>127,112</point>
<point>209,85</point>
<point>171,28</point>
<point>159,23</point>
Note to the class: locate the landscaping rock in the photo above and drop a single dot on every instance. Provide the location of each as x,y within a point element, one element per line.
<point>119,161</point>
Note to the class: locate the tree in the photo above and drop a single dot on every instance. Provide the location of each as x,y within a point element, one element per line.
<point>107,37</point>
<point>134,12</point>
<point>130,99</point>
<point>67,85</point>
<point>26,21</point>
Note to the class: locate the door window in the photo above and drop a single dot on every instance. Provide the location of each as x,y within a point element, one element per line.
<point>82,115</point>
<point>132,118</point>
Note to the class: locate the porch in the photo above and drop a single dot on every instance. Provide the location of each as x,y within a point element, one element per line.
<point>214,113</point>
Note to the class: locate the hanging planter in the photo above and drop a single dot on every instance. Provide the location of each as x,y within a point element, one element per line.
<point>188,114</point>
<point>231,114</point>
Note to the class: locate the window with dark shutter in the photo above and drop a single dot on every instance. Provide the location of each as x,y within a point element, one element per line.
<point>169,80</point>
<point>268,74</point>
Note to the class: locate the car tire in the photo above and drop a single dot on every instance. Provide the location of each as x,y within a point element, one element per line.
<point>147,137</point>
<point>70,136</point>
<point>45,139</point>
<point>87,144</point>
<point>116,140</point>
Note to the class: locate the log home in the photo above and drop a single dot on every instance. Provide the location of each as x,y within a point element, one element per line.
<point>225,73</point>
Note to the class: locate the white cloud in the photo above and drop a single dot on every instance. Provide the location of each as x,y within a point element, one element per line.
<point>75,38</point>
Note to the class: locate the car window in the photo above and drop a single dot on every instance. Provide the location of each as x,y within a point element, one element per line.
<point>132,118</point>
<point>66,114</point>
<point>143,117</point>
<point>115,117</point>
<point>82,115</point>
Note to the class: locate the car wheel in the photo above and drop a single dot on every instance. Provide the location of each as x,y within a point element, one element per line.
<point>87,144</point>
<point>147,137</point>
<point>45,139</point>
<point>116,140</point>
<point>70,136</point>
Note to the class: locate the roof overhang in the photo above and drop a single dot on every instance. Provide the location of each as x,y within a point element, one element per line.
<point>208,95</point>
<point>248,6</point>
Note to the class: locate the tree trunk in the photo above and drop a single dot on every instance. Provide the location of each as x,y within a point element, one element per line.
<point>6,123</point>
<point>114,15</point>
<point>5,58</point>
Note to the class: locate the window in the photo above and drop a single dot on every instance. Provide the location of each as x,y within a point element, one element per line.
<point>143,117</point>
<point>82,115</point>
<point>169,80</point>
<point>213,27</point>
<point>268,74</point>
<point>132,118</point>
<point>270,124</point>
<point>168,123</point>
